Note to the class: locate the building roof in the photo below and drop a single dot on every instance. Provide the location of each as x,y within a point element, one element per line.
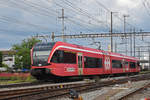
<point>7,52</point>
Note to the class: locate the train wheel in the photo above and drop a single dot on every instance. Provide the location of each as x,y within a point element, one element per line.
<point>38,78</point>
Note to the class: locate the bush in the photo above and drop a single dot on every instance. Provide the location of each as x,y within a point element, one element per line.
<point>4,65</point>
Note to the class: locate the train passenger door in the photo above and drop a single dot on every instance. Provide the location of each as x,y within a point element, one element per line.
<point>123,65</point>
<point>126,66</point>
<point>107,64</point>
<point>80,65</point>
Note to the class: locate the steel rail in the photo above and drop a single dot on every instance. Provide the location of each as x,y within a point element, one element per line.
<point>47,92</point>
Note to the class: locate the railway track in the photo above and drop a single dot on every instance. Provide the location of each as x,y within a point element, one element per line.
<point>25,84</point>
<point>35,93</point>
<point>134,92</point>
<point>57,90</point>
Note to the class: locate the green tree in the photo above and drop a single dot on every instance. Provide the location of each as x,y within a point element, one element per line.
<point>22,57</point>
<point>1,55</point>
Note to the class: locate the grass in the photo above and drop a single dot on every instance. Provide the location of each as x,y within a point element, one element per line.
<point>144,72</point>
<point>16,79</point>
<point>11,80</point>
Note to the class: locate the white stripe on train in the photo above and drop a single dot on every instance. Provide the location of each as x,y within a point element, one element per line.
<point>67,47</point>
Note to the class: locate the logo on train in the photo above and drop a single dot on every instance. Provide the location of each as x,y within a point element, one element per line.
<point>107,63</point>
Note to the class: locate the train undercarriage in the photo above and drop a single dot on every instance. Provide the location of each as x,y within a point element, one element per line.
<point>44,74</point>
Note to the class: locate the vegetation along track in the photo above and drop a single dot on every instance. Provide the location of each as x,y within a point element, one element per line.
<point>47,92</point>
<point>25,84</point>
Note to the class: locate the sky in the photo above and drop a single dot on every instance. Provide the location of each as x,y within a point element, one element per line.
<point>22,19</point>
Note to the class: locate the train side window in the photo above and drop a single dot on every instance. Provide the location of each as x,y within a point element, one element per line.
<point>126,63</point>
<point>116,64</point>
<point>90,62</point>
<point>132,65</point>
<point>69,57</point>
<point>61,56</point>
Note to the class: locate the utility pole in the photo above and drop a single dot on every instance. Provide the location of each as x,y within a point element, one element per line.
<point>131,42</point>
<point>139,52</point>
<point>131,45</point>
<point>134,41</point>
<point>111,27</point>
<point>53,36</point>
<point>142,36</point>
<point>115,47</point>
<point>124,16</point>
<point>111,30</point>
<point>63,28</point>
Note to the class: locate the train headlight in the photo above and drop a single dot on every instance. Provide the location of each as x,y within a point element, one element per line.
<point>39,64</point>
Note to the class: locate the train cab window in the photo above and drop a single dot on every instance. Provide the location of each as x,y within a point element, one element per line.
<point>61,56</point>
<point>116,64</point>
<point>90,62</point>
<point>57,57</point>
<point>132,65</point>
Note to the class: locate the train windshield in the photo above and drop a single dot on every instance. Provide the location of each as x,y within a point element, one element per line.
<point>41,52</point>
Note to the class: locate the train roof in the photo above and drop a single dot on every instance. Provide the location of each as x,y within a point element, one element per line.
<point>82,48</point>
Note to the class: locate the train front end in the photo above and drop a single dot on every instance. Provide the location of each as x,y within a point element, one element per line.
<point>40,54</point>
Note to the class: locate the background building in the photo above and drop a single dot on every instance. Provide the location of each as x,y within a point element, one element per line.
<point>8,58</point>
<point>145,59</point>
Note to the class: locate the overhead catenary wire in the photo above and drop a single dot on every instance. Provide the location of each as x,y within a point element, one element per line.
<point>37,8</point>
<point>45,11</point>
<point>49,10</point>
<point>13,3</point>
<point>109,10</point>
<point>84,13</point>
<point>15,21</point>
<point>146,6</point>
<point>89,24</point>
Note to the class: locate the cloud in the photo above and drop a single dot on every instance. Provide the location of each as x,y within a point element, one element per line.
<point>23,18</point>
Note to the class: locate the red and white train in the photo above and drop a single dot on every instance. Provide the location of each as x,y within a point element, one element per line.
<point>58,60</point>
